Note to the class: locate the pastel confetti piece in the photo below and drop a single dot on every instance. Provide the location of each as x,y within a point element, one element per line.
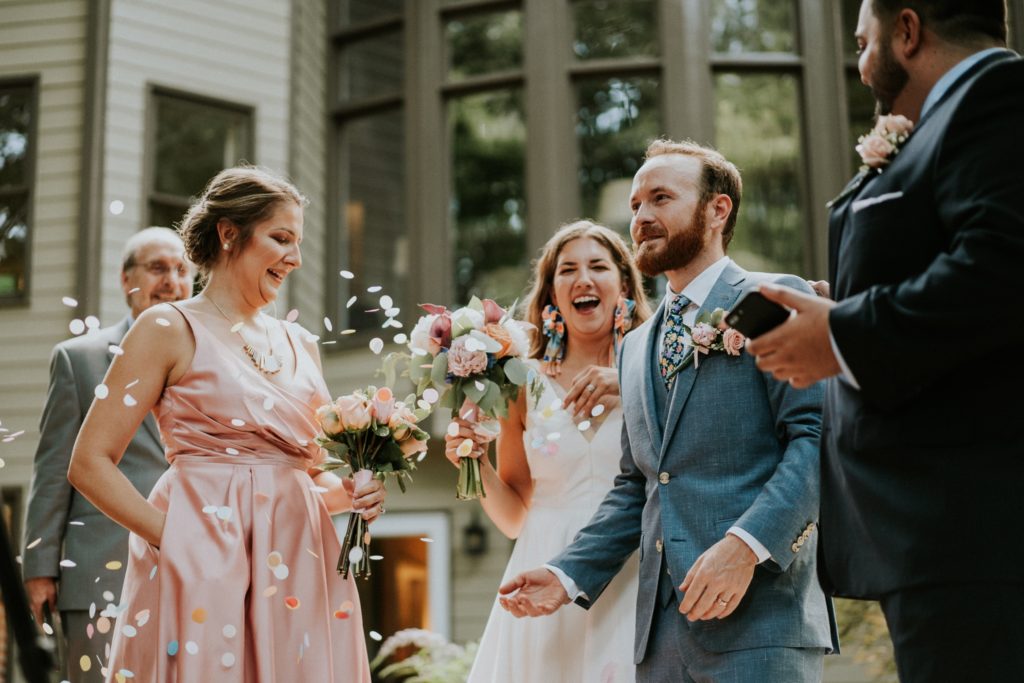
<point>131,384</point>
<point>129,400</point>
<point>92,611</point>
<point>583,426</point>
<point>85,663</point>
<point>305,639</point>
<point>327,324</point>
<point>238,423</point>
<point>103,624</point>
<point>269,591</point>
<point>237,326</point>
<point>191,647</point>
<point>152,573</point>
<point>427,539</point>
<point>377,345</point>
<point>386,302</point>
<point>373,289</point>
<point>422,404</point>
<point>400,338</point>
<point>163,322</point>
<point>355,556</point>
<point>68,563</point>
<point>114,565</point>
<point>597,410</point>
<point>33,544</point>
<point>116,350</point>
<point>92,322</point>
<point>108,596</point>
<point>142,617</point>
<point>293,315</point>
<point>210,509</point>
<point>224,513</point>
<point>268,403</point>
<point>430,395</point>
<point>554,436</point>
<point>351,300</point>
<point>90,631</point>
<point>229,631</point>
<point>199,615</point>
<point>453,429</point>
<point>76,326</point>
<point>116,207</point>
<point>231,451</point>
<point>274,559</point>
<point>376,557</point>
<point>227,660</point>
<point>339,614</point>
<point>392,311</point>
<point>348,331</point>
<point>47,629</point>
<point>292,602</point>
<point>347,274</point>
<point>129,631</point>
<point>132,290</point>
<point>69,302</point>
<point>281,571</point>
<point>172,648</point>
<point>479,385</point>
<point>465,448</point>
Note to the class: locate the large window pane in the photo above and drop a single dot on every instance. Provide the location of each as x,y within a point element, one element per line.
<point>614,28</point>
<point>484,43</point>
<point>615,121</point>
<point>753,26</point>
<point>15,120</point>
<point>371,67</point>
<point>488,138</point>
<point>758,129</point>
<point>13,238</point>
<point>861,110</point>
<point>375,245</point>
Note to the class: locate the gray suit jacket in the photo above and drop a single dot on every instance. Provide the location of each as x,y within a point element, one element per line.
<point>736,448</point>
<point>76,367</point>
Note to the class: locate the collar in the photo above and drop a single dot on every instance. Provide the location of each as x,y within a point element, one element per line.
<point>943,85</point>
<point>699,288</point>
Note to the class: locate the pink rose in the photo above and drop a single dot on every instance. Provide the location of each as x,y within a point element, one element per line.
<point>462,362</point>
<point>733,342</point>
<point>895,123</point>
<point>329,419</point>
<point>875,150</point>
<point>703,334</point>
<point>383,405</point>
<point>354,411</point>
<point>492,311</point>
<point>402,422</point>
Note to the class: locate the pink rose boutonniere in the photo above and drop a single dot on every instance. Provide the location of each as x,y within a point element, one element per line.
<point>883,142</point>
<point>707,336</point>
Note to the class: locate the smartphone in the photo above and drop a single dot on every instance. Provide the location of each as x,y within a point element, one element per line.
<point>753,314</point>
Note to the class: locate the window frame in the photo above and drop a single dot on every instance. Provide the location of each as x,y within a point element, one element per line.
<point>31,83</point>
<point>154,94</point>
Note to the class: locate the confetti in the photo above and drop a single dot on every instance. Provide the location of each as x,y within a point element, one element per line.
<point>76,326</point>
<point>116,207</point>
<point>377,345</point>
<point>554,436</point>
<point>292,602</point>
<point>229,631</point>
<point>274,559</point>
<point>431,395</point>
<point>92,610</point>
<point>114,565</point>
<point>172,648</point>
<point>351,300</point>
<point>386,302</point>
<point>131,384</point>
<point>129,400</point>
<point>453,429</point>
<point>583,426</point>
<point>210,510</point>
<point>426,539</point>
<point>191,647</point>
<point>224,513</point>
<point>355,556</point>
<point>103,624</point>
<point>421,456</point>
<point>108,596</point>
<point>422,404</point>
<point>227,660</point>
<point>142,617</point>
<point>392,312</point>
<point>376,557</point>
<point>85,663</point>
<point>269,590</point>
<point>116,350</point>
<point>132,290</point>
<point>293,315</point>
<point>348,331</point>
<point>327,324</point>
<point>400,338</point>
<point>152,573</point>
<point>237,422</point>
<point>597,410</point>
<point>69,302</point>
<point>68,563</point>
<point>47,629</point>
<point>480,386</point>
<point>199,615</point>
<point>237,326</point>
<point>163,322</point>
<point>268,403</point>
<point>129,631</point>
<point>92,322</point>
<point>231,451</point>
<point>90,631</point>
<point>101,391</point>
<point>281,571</point>
<point>373,289</point>
<point>347,274</point>
<point>33,544</point>
<point>376,636</point>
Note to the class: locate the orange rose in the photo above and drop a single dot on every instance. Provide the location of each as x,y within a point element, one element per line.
<point>501,335</point>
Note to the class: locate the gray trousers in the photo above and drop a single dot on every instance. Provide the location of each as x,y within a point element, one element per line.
<point>79,644</point>
<point>674,656</point>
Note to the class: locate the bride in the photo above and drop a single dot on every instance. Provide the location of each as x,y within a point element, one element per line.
<point>557,456</point>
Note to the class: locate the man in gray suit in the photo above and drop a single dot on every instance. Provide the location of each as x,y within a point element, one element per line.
<point>719,476</point>
<point>74,554</point>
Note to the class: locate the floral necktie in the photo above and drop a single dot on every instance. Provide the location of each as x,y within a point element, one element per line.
<point>673,350</point>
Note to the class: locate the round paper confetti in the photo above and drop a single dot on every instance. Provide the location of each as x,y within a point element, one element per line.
<point>90,630</point>
<point>108,596</point>
<point>142,617</point>
<point>376,636</point>
<point>373,289</point>
<point>231,451</point>
<point>224,513</point>
<point>292,602</point>
<point>341,614</point>
<point>268,403</point>
<point>191,647</point>
<point>583,426</point>
<point>84,662</point>
<point>293,315</point>
<point>33,544</point>
<point>92,610</point>
<point>386,302</point>
<point>281,571</point>
<point>132,290</point>
<point>76,326</point>
<point>347,274</point>
<point>237,326</point>
<point>425,539</point>
<point>269,590</point>
<point>92,322</point>
<point>274,559</point>
<point>113,565</point>
<point>430,395</point>
<point>465,448</point>
<point>554,436</point>
<point>103,624</point>
<point>229,631</point>
<point>163,322</point>
<point>210,509</point>
<point>351,300</point>
<point>400,338</point>
<point>227,660</point>
<point>355,556</point>
<point>47,629</point>
<point>377,345</point>
<point>68,563</point>
<point>199,615</point>
<point>327,324</point>
<point>129,631</point>
<point>238,423</point>
<point>376,557</point>
<point>101,391</point>
<point>348,331</point>
<point>68,301</point>
<point>422,405</point>
<point>453,429</point>
<point>597,410</point>
<point>172,648</point>
<point>116,350</point>
<point>129,400</point>
<point>116,207</point>
<point>392,311</point>
<point>131,384</point>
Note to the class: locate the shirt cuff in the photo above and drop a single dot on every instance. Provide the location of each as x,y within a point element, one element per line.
<point>847,373</point>
<point>762,553</point>
<point>571,589</point>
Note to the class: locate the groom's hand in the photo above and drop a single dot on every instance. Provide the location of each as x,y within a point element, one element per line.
<point>538,592</point>
<point>718,580</point>
<point>799,350</point>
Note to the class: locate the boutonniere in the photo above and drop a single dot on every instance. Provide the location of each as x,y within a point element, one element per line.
<point>883,142</point>
<point>706,337</point>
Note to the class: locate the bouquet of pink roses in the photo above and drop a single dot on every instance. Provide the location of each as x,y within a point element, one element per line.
<point>374,436</point>
<point>475,358</point>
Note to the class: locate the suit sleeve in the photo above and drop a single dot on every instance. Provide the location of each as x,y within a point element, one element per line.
<point>599,550</point>
<point>788,501</point>
<point>50,494</point>
<point>900,338</point>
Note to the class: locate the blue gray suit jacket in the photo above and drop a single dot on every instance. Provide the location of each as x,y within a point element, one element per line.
<point>735,448</point>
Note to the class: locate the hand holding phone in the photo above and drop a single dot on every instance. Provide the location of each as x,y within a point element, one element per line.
<point>753,314</point>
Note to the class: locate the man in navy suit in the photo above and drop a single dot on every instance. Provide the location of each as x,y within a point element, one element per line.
<point>719,474</point>
<point>922,447</point>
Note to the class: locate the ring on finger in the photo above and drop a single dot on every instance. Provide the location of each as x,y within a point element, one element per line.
<point>590,388</point>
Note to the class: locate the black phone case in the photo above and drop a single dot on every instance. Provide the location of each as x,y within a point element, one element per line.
<point>753,315</point>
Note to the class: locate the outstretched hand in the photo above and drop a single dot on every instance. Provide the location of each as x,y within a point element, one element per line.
<point>799,350</point>
<point>533,593</point>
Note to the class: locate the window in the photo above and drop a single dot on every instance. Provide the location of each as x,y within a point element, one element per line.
<point>193,138</point>
<point>17,176</point>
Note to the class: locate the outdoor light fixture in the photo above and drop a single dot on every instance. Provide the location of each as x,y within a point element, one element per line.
<point>474,537</point>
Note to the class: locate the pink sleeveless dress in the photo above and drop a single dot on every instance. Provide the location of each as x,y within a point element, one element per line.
<point>243,587</point>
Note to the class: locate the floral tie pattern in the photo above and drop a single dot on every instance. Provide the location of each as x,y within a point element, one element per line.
<point>673,346</point>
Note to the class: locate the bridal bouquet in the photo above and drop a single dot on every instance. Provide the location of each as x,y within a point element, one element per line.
<point>374,436</point>
<point>473,357</point>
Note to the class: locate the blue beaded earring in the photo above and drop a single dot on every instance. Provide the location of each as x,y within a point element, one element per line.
<point>554,329</point>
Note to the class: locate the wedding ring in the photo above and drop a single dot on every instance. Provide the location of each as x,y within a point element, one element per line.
<point>722,602</point>
<point>590,388</point>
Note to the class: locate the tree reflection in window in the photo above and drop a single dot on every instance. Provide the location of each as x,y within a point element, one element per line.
<point>614,28</point>
<point>484,43</point>
<point>487,203</point>
<point>16,112</point>
<point>758,128</point>
<point>739,26</point>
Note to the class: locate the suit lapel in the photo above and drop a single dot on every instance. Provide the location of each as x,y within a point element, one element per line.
<point>649,348</point>
<point>117,333</point>
<point>723,295</point>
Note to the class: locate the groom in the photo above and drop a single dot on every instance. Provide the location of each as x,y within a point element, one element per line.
<point>719,476</point>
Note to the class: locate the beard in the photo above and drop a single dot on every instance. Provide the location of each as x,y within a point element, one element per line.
<point>888,80</point>
<point>678,249</point>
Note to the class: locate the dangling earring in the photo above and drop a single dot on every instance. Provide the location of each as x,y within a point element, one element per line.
<point>554,330</point>
<point>621,324</point>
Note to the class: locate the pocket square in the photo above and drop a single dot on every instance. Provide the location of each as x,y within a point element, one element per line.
<point>871,201</point>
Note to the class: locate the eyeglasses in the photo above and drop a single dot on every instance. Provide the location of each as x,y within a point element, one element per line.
<point>161,269</point>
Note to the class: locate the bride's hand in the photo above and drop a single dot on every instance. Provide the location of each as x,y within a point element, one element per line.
<point>453,442</point>
<point>593,385</point>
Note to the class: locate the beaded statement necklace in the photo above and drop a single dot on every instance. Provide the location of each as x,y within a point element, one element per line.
<point>268,363</point>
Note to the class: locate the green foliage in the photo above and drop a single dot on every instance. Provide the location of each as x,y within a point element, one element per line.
<point>862,629</point>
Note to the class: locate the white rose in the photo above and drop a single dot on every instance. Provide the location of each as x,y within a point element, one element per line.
<point>419,338</point>
<point>520,339</point>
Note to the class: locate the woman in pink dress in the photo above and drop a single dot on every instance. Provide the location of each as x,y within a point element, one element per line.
<point>231,574</point>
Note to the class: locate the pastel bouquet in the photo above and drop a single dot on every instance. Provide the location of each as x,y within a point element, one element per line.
<point>373,435</point>
<point>473,357</point>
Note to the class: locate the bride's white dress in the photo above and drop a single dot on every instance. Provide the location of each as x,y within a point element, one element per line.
<point>572,470</point>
